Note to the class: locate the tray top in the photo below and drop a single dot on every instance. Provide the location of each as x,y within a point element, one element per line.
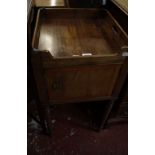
<point>75,36</point>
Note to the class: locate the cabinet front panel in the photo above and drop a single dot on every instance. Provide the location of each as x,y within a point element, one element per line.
<point>81,83</point>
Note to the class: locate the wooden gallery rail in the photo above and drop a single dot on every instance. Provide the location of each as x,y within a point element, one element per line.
<point>78,55</point>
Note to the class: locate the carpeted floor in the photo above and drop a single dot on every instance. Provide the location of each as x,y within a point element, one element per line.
<point>72,135</point>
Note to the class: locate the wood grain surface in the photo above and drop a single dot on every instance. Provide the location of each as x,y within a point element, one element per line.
<point>81,83</point>
<point>68,33</point>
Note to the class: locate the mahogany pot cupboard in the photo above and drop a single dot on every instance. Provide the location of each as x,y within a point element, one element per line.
<point>78,55</point>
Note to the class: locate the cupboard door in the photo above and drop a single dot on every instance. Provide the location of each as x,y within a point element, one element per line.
<point>81,83</point>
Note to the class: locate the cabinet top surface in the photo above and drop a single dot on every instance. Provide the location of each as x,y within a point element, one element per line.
<point>76,33</point>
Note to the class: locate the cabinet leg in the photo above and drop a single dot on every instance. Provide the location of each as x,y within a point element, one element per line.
<point>105,116</point>
<point>42,117</point>
<point>48,121</point>
<point>45,119</point>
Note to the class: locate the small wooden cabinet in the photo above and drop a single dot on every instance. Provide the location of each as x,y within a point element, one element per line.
<point>78,55</point>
